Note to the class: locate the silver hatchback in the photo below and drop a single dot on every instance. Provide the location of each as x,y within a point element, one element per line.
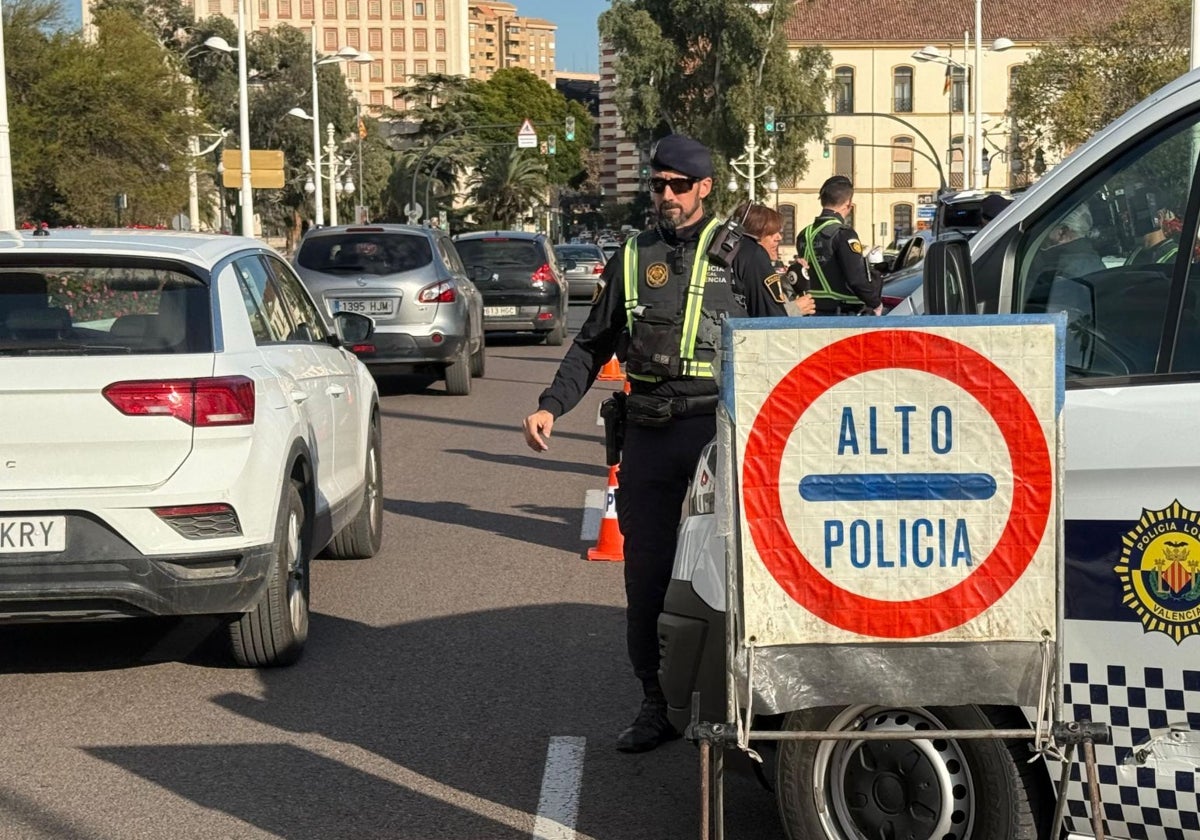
<point>410,281</point>
<point>584,277</point>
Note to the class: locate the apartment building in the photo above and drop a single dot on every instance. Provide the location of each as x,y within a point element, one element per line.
<point>500,38</point>
<point>901,100</point>
<point>404,38</point>
<point>620,158</point>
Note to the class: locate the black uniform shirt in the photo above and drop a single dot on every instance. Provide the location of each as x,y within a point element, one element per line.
<point>849,267</point>
<point>754,279</point>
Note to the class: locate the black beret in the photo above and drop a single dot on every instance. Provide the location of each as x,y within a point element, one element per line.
<point>676,153</point>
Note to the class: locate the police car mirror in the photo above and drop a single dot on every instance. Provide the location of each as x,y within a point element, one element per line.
<point>947,282</point>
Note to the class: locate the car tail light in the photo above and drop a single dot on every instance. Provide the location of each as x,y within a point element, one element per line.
<point>365,349</point>
<point>599,269</point>
<point>198,522</point>
<point>213,401</point>
<point>442,292</point>
<point>544,275</point>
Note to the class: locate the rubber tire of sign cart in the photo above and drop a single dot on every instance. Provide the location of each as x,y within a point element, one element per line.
<point>1004,791</point>
<point>274,632</point>
<point>458,373</point>
<point>361,538</point>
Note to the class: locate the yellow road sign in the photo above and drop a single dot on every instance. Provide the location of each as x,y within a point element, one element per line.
<point>266,169</point>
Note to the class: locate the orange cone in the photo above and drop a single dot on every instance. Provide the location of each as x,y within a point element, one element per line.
<point>611,372</point>
<point>610,545</point>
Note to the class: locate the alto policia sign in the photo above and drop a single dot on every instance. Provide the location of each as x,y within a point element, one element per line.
<point>897,482</point>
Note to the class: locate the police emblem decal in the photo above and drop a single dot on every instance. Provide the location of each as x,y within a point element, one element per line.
<point>1160,571</point>
<point>855,246</point>
<point>656,275</point>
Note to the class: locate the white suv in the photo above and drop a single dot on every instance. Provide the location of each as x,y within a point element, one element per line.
<point>179,434</point>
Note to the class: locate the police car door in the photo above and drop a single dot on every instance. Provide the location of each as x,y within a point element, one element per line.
<point>1096,251</point>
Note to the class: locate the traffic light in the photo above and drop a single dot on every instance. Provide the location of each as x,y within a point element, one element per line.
<point>570,129</point>
<point>769,118</point>
<point>825,151</point>
<point>551,142</point>
<point>780,126</point>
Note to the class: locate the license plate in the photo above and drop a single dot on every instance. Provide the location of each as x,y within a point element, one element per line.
<point>499,311</point>
<point>366,306</point>
<point>33,533</point>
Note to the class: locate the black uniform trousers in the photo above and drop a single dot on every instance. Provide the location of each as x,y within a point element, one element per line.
<point>657,465</point>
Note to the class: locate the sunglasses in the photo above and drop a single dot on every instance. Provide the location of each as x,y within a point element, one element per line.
<point>679,186</point>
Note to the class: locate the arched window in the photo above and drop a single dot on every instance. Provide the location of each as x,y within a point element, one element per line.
<point>902,162</point>
<point>843,157</point>
<point>843,90</point>
<point>788,211</point>
<point>902,90</point>
<point>956,162</point>
<point>902,220</point>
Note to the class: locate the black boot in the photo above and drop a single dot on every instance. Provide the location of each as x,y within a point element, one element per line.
<point>649,729</point>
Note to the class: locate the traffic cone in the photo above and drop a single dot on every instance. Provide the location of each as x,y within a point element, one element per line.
<point>611,372</point>
<point>610,545</point>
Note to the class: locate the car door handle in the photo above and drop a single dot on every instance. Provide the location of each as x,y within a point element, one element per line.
<point>335,390</point>
<point>299,396</point>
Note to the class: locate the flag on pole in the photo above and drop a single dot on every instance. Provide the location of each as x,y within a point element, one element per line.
<point>946,84</point>
<point>362,129</point>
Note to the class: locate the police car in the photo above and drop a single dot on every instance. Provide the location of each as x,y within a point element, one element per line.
<point>1086,240</point>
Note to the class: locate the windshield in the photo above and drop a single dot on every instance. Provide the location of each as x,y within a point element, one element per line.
<point>365,252</point>
<point>99,309</point>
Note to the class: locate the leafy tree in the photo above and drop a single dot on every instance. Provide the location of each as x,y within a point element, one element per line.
<point>1069,90</point>
<point>96,119</point>
<point>508,186</point>
<point>708,68</point>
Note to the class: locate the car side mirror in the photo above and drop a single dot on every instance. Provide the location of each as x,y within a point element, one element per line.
<point>352,327</point>
<point>947,283</point>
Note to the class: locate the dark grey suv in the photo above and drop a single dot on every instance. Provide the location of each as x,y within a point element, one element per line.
<point>410,281</point>
<point>523,286</point>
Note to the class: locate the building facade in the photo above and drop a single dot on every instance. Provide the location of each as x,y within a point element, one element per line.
<point>500,38</point>
<point>404,38</point>
<point>620,158</point>
<point>901,99</point>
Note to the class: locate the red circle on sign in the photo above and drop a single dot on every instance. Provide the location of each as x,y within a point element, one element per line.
<point>907,350</point>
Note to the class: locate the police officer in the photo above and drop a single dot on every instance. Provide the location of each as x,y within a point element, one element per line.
<point>842,285</point>
<point>653,287</point>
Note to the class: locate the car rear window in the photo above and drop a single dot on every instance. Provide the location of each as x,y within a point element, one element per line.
<point>365,252</point>
<point>501,253</point>
<point>962,216</point>
<point>579,252</point>
<point>84,310</point>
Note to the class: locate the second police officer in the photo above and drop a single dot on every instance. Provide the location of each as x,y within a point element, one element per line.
<point>662,302</point>
<point>840,281</point>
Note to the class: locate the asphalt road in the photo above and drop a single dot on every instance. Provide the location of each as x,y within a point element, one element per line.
<point>439,679</point>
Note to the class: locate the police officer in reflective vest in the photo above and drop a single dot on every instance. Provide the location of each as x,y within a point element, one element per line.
<point>841,283</point>
<point>662,303</point>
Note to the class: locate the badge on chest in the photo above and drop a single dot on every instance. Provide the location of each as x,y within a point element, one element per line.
<point>656,275</point>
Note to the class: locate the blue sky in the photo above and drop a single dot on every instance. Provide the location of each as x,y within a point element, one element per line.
<point>577,43</point>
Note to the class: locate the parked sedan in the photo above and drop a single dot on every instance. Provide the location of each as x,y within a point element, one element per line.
<point>584,277</point>
<point>182,434</point>
<point>524,288</point>
<point>409,280</point>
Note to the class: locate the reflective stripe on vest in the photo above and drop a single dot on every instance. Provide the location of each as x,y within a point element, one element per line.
<point>689,366</point>
<point>810,254</point>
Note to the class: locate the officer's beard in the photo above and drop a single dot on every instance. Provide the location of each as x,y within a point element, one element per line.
<point>669,222</point>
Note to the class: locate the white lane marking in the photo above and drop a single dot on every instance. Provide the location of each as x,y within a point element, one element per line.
<point>558,807</point>
<point>593,512</point>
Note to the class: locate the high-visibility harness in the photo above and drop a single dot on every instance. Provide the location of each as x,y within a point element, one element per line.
<point>689,365</point>
<point>810,254</point>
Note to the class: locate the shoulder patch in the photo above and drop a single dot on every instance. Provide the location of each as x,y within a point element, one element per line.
<point>855,246</point>
<point>774,284</point>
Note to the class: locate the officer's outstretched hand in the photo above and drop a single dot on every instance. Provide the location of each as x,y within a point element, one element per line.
<point>538,427</point>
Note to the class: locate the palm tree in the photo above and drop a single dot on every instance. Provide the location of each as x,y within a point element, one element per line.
<point>507,185</point>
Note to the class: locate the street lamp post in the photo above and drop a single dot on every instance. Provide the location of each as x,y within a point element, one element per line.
<point>335,164</point>
<point>755,163</point>
<point>244,124</point>
<point>8,213</point>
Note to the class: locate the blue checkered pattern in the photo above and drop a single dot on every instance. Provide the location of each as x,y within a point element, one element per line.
<point>1140,803</point>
